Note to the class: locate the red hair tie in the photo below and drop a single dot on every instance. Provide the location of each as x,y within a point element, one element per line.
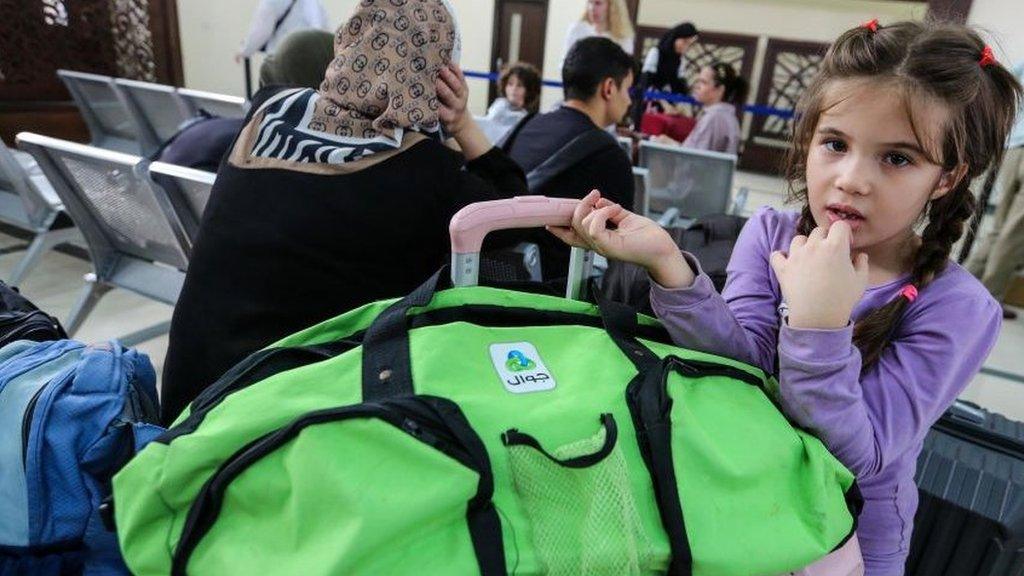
<point>871,25</point>
<point>909,292</point>
<point>987,57</point>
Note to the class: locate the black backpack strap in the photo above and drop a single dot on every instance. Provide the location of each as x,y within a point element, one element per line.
<point>576,150</point>
<point>278,25</point>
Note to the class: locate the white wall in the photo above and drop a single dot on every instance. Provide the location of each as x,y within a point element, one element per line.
<point>1001,22</point>
<point>212,31</point>
<point>476,21</point>
<point>561,13</point>
<point>819,20</point>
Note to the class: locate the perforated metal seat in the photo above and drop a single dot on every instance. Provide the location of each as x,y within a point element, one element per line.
<point>188,191</point>
<point>694,182</point>
<point>156,110</point>
<point>28,202</point>
<point>221,105</point>
<point>133,236</point>
<point>110,125</point>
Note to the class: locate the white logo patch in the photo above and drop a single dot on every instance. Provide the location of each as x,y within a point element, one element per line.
<point>520,368</point>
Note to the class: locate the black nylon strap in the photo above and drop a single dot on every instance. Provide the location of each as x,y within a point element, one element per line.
<point>620,322</point>
<point>516,438</point>
<point>651,406</point>
<point>387,369</point>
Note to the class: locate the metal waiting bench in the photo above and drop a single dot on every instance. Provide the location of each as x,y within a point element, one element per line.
<point>221,105</point>
<point>693,182</point>
<point>28,202</point>
<point>132,233</point>
<point>188,191</point>
<point>104,111</point>
<point>156,110</point>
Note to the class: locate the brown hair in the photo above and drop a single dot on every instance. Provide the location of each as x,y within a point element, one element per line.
<point>735,85</point>
<point>939,61</point>
<point>530,78</point>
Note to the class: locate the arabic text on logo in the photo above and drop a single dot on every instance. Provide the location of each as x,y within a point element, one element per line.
<point>518,362</point>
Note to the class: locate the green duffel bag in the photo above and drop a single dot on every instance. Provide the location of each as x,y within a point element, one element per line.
<point>481,430</point>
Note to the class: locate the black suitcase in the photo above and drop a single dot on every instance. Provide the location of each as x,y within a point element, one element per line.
<point>970,478</point>
<point>21,320</point>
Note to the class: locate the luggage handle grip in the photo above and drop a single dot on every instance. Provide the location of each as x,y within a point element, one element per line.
<point>469,225</point>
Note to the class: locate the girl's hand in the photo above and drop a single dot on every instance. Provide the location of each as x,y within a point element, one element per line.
<point>819,282</point>
<point>453,96</point>
<point>635,239</point>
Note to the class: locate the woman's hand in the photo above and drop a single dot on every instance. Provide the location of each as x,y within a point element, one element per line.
<point>453,96</point>
<point>634,239</point>
<point>820,283</point>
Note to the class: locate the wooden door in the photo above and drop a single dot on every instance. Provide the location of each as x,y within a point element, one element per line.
<point>519,30</point>
<point>136,39</point>
<point>789,66</point>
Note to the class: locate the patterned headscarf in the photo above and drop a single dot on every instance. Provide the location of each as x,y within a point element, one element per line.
<point>387,58</point>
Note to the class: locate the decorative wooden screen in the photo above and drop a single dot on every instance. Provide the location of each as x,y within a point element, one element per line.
<point>135,39</point>
<point>789,66</point>
<point>734,49</point>
<point>124,38</point>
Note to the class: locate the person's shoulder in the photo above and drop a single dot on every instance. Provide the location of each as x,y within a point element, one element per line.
<point>957,308</point>
<point>557,122</point>
<point>775,222</point>
<point>957,291</point>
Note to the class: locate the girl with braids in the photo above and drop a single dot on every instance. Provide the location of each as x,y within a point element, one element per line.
<point>870,328</point>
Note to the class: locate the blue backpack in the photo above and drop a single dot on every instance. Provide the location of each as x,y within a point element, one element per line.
<point>70,416</point>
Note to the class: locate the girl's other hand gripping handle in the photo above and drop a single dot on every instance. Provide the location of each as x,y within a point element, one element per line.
<point>630,238</point>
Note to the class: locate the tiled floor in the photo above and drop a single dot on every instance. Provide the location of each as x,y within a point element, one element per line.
<point>54,286</point>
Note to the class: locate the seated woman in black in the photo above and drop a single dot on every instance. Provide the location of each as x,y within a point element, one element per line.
<point>336,197</point>
<point>300,60</point>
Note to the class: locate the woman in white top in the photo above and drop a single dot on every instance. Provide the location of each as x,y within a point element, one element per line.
<point>275,19</point>
<point>607,18</point>
<point>664,68</point>
<point>719,90</point>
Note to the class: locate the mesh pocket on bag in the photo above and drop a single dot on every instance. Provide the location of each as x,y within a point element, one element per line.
<point>580,504</point>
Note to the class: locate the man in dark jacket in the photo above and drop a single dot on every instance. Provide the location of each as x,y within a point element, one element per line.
<point>567,152</point>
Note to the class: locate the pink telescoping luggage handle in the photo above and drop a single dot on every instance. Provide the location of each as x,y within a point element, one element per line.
<point>469,226</point>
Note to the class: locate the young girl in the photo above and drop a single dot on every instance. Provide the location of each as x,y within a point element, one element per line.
<point>519,86</point>
<point>719,90</point>
<point>870,328</point>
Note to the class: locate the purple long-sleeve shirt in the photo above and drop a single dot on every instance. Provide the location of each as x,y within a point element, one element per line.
<point>874,422</point>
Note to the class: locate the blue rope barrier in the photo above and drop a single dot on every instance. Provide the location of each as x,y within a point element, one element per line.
<point>756,109</point>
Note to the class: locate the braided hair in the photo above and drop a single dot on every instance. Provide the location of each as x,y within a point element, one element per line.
<point>946,63</point>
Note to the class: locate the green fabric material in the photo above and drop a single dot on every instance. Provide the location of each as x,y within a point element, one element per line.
<point>278,508</point>
<point>584,520</point>
<point>759,496</point>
